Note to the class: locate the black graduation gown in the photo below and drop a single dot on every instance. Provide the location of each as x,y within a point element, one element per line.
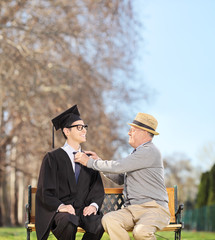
<point>57,185</point>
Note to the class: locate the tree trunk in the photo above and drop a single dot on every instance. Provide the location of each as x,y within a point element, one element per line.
<point>6,209</point>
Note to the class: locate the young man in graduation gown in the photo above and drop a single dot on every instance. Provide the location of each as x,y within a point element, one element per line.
<point>68,194</point>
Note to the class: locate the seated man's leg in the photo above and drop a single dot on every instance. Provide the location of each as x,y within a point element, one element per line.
<point>117,223</point>
<point>149,218</point>
<point>63,228</point>
<point>92,236</point>
<point>93,227</point>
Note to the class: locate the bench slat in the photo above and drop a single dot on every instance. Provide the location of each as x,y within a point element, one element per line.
<point>171,204</point>
<point>172,227</point>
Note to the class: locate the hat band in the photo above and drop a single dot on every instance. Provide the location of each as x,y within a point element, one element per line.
<point>142,125</point>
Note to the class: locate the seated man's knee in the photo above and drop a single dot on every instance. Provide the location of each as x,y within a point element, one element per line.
<point>142,232</point>
<point>63,227</point>
<point>109,219</point>
<point>105,221</point>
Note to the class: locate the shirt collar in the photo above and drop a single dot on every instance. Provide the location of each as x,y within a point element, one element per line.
<point>143,144</point>
<point>66,145</point>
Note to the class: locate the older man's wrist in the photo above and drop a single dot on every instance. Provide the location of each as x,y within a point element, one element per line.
<point>90,162</point>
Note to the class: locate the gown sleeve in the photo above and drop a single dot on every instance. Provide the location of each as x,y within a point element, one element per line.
<point>46,198</point>
<point>47,189</point>
<point>96,191</point>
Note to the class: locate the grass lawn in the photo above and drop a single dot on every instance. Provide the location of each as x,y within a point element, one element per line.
<point>20,234</point>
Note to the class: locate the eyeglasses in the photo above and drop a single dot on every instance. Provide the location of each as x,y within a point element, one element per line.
<point>79,127</point>
<point>132,130</point>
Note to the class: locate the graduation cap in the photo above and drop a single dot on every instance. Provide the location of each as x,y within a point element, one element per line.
<point>65,119</point>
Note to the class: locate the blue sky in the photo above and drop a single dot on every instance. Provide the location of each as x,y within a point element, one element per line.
<point>178,63</point>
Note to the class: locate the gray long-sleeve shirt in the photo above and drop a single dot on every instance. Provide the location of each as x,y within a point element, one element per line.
<point>143,175</point>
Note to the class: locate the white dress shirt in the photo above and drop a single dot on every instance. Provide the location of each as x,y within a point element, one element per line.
<point>69,150</point>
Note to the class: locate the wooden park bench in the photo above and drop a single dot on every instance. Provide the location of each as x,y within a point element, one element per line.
<point>114,201</point>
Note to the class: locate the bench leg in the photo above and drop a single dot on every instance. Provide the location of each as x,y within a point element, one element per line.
<point>28,234</point>
<point>178,235</point>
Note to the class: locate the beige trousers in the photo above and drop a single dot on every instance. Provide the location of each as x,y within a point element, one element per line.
<point>144,220</point>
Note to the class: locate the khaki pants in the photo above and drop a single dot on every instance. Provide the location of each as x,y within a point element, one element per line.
<point>144,220</point>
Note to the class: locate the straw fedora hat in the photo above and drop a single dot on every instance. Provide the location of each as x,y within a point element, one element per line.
<point>146,122</point>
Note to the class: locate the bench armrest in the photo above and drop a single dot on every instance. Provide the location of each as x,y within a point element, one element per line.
<point>28,214</point>
<point>178,214</point>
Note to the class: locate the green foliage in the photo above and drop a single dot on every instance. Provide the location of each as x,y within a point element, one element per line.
<point>206,193</point>
<point>211,196</point>
<point>202,197</point>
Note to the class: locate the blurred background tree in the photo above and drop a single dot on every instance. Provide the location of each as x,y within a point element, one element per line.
<point>203,190</point>
<point>206,190</point>
<point>179,171</point>
<point>53,54</point>
<point>206,156</point>
<point>211,195</point>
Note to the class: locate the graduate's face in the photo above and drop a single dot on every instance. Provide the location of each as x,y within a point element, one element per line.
<point>77,135</point>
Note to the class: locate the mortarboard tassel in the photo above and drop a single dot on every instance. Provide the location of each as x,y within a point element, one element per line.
<point>53,137</point>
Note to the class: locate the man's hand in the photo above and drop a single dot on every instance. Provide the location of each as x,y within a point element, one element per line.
<point>81,158</point>
<point>67,208</point>
<point>89,210</point>
<point>92,155</point>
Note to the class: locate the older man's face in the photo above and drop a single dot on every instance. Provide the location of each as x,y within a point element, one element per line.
<point>136,136</point>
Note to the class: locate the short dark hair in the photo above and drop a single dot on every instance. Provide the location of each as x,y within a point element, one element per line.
<point>68,124</point>
<point>64,134</point>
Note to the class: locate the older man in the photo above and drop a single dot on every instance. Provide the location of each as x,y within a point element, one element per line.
<point>142,172</point>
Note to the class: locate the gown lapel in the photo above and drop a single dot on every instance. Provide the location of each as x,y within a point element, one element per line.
<point>70,172</point>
